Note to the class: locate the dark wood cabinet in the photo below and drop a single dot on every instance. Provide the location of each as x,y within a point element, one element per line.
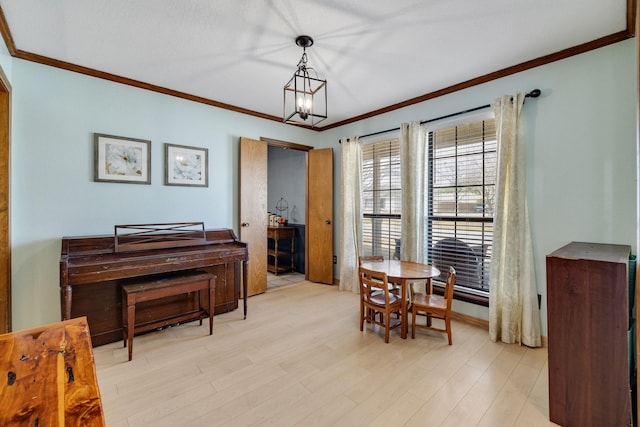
<point>299,242</point>
<point>281,249</point>
<point>588,323</point>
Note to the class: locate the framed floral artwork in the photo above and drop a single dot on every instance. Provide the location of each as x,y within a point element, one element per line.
<point>120,159</point>
<point>186,166</point>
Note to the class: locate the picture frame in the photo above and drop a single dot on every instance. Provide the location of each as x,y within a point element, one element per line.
<point>186,166</point>
<point>121,159</point>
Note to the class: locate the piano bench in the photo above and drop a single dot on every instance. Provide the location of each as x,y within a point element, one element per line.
<point>141,290</point>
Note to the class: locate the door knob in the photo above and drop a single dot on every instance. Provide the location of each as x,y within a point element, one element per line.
<point>328,221</point>
<point>245,224</point>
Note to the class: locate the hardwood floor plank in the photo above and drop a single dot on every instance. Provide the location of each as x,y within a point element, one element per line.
<point>324,409</point>
<point>155,411</point>
<point>327,415</point>
<point>442,392</point>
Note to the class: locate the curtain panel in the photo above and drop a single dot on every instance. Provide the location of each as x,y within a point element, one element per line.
<point>351,220</point>
<point>513,301</point>
<point>413,149</point>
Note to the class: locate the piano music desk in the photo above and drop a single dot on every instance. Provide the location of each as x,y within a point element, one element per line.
<point>166,286</point>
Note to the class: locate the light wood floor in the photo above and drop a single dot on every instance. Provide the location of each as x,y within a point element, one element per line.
<point>300,359</point>
<point>274,281</point>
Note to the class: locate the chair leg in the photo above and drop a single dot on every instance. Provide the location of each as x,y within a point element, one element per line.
<point>413,323</point>
<point>447,322</point>
<point>361,317</point>
<point>386,332</point>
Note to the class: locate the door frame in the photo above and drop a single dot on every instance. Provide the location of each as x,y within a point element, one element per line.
<point>284,144</point>
<point>300,147</point>
<point>5,199</point>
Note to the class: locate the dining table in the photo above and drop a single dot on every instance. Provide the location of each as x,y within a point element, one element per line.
<point>403,273</point>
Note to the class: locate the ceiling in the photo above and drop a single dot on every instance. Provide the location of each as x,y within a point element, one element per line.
<point>376,55</point>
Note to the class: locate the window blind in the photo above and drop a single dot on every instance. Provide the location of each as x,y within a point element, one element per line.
<point>462,182</point>
<point>381,198</point>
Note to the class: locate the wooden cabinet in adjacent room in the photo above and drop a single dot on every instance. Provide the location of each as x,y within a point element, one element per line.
<point>588,317</point>
<point>281,249</point>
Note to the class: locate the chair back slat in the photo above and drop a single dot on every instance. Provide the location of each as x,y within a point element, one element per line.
<point>373,281</point>
<point>376,258</point>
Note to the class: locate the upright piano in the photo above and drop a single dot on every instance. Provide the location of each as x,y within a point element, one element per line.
<point>92,269</point>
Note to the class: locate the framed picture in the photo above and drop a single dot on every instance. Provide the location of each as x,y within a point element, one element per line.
<point>186,165</point>
<point>120,159</point>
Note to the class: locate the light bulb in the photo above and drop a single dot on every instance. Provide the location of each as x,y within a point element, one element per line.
<point>304,103</point>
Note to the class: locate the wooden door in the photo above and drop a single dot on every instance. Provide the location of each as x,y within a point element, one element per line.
<point>253,211</point>
<point>319,238</point>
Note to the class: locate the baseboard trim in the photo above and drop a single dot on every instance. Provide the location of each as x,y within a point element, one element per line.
<point>470,320</point>
<point>484,324</point>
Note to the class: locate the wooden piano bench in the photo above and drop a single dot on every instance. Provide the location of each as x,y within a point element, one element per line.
<point>151,289</point>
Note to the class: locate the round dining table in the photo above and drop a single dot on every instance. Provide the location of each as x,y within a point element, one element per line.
<point>403,273</point>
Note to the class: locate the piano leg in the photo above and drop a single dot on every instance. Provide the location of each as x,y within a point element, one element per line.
<point>66,302</point>
<point>212,302</point>
<point>245,275</point>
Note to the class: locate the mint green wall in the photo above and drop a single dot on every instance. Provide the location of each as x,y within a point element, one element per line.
<point>287,178</point>
<point>581,160</point>
<point>581,149</point>
<point>55,113</point>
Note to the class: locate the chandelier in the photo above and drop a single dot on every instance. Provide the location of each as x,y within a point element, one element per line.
<point>305,95</point>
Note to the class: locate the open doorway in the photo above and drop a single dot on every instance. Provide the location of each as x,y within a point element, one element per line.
<point>253,221</point>
<point>286,203</point>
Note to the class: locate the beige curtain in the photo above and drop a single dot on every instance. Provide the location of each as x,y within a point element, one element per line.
<point>351,220</point>
<point>513,302</point>
<point>413,143</point>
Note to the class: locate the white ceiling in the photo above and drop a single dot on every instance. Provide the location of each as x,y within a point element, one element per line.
<point>373,53</point>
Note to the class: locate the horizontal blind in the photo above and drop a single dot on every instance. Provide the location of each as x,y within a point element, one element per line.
<point>462,183</point>
<point>381,198</point>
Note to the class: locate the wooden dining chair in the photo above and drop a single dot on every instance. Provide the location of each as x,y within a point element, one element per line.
<point>375,297</point>
<point>434,307</point>
<point>393,287</point>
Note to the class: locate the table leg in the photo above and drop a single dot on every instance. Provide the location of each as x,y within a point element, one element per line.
<point>428,289</point>
<point>200,306</point>
<point>131,320</point>
<point>404,307</point>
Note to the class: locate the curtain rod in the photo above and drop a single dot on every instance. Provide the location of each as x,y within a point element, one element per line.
<point>533,94</point>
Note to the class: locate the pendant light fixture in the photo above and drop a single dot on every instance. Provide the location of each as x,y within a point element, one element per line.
<point>305,95</point>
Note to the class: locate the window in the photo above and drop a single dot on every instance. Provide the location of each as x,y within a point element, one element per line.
<point>381,198</point>
<point>461,191</point>
<point>461,198</point>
